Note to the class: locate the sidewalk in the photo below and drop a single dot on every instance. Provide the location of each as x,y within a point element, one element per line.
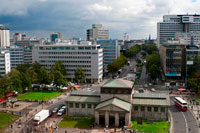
<point>30,114</point>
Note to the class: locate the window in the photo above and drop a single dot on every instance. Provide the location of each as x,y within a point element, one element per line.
<point>136,108</point>
<point>162,109</point>
<point>149,109</point>
<point>155,109</point>
<point>142,108</point>
<point>89,106</point>
<point>77,105</point>
<point>71,105</point>
<point>83,105</point>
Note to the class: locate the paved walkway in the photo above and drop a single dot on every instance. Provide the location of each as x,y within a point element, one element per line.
<point>30,114</point>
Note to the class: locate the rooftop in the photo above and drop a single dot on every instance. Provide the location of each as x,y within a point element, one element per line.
<point>150,95</point>
<point>118,83</point>
<point>116,102</point>
<point>85,93</point>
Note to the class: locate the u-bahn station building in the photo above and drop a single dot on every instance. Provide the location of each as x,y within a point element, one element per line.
<point>116,104</point>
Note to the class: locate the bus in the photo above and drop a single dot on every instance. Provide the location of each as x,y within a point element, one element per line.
<point>180,103</point>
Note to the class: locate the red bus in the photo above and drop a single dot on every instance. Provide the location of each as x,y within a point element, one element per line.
<point>180,103</point>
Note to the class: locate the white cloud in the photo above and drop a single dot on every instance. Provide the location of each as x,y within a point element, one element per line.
<point>136,17</point>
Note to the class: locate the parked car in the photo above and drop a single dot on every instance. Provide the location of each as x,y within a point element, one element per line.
<point>152,89</point>
<point>61,112</point>
<point>145,85</point>
<point>63,107</point>
<point>55,110</point>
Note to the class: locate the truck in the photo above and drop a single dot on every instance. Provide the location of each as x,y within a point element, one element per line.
<point>41,116</point>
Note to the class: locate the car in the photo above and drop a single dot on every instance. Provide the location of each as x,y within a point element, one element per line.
<point>61,112</point>
<point>152,89</point>
<point>150,84</point>
<point>55,110</point>
<point>63,107</point>
<point>141,90</point>
<point>145,85</point>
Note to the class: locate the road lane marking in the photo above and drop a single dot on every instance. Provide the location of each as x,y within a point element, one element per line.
<point>186,124</point>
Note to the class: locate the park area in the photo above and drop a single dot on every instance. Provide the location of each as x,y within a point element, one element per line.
<point>5,120</point>
<point>76,122</point>
<point>39,95</point>
<point>151,127</point>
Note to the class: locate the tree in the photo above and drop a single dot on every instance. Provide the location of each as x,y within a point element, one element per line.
<point>79,75</point>
<point>5,85</point>
<point>122,60</point>
<point>154,71</point>
<point>192,83</point>
<point>36,67</point>
<point>113,67</point>
<point>150,48</point>
<point>23,67</point>
<point>16,83</point>
<point>26,81</point>
<point>43,77</point>
<point>133,51</point>
<point>59,79</point>
<point>58,66</point>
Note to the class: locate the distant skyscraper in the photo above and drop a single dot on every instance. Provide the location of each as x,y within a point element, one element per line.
<point>54,36</point>
<point>17,37</point>
<point>4,36</point>
<point>98,32</point>
<point>176,23</point>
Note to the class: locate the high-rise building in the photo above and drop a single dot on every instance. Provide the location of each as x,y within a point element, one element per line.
<point>17,37</point>
<point>176,23</point>
<point>16,56</point>
<point>88,57</point>
<point>4,36</point>
<point>54,36</point>
<point>111,50</point>
<point>98,32</point>
<point>4,62</point>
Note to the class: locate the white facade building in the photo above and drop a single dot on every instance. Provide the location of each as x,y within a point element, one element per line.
<point>176,23</point>
<point>4,36</point>
<point>4,62</point>
<point>188,38</point>
<point>98,32</point>
<point>88,57</point>
<point>16,56</point>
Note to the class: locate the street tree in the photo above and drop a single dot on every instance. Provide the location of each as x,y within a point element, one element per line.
<point>59,79</point>
<point>5,85</point>
<point>15,81</point>
<point>154,71</point>
<point>113,67</point>
<point>150,48</point>
<point>43,76</point>
<point>79,75</point>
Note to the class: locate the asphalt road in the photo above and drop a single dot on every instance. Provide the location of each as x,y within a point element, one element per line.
<point>183,122</point>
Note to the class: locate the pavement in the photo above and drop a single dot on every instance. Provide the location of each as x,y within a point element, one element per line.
<point>27,117</point>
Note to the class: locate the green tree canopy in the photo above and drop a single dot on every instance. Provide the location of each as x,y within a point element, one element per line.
<point>113,67</point>
<point>150,48</point>
<point>16,83</point>
<point>43,76</point>
<point>59,79</point>
<point>79,75</point>
<point>133,51</point>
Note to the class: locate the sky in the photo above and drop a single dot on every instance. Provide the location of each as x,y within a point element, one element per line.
<point>137,18</point>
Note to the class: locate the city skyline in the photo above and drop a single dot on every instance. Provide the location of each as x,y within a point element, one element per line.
<point>136,18</point>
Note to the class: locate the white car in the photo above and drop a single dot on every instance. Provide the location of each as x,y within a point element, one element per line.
<point>145,85</point>
<point>63,107</point>
<point>61,112</point>
<point>152,89</point>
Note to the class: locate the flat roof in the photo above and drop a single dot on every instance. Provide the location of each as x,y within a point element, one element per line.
<point>85,93</point>
<point>83,99</point>
<point>150,95</point>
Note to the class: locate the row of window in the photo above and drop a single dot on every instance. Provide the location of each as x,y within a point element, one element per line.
<point>67,48</point>
<point>66,57</point>
<point>149,109</point>
<point>68,61</point>
<point>77,105</point>
<point>65,53</point>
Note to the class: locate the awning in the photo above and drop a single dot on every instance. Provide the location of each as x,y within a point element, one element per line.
<point>76,86</point>
<point>181,89</point>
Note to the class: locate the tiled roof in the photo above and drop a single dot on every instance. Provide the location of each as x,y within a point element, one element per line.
<point>118,83</point>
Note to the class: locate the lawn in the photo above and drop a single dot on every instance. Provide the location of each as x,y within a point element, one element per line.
<point>5,120</point>
<point>156,127</point>
<point>76,122</point>
<point>39,95</point>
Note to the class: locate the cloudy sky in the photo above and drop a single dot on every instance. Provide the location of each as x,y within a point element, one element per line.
<point>137,18</point>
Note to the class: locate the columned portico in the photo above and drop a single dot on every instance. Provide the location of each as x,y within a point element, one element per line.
<point>107,118</point>
<point>117,119</point>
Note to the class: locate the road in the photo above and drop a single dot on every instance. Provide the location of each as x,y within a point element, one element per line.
<point>143,77</point>
<point>126,69</point>
<point>182,121</point>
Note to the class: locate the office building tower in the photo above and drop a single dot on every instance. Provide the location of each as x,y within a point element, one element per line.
<point>176,23</point>
<point>173,60</point>
<point>88,57</point>
<point>54,36</point>
<point>98,32</point>
<point>111,50</point>
<point>4,62</point>
<point>17,37</point>
<point>4,36</point>
<point>16,56</point>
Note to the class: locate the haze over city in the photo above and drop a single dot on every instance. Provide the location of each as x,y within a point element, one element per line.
<point>136,18</point>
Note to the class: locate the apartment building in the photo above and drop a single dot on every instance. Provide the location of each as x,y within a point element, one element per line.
<point>88,57</point>
<point>4,36</point>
